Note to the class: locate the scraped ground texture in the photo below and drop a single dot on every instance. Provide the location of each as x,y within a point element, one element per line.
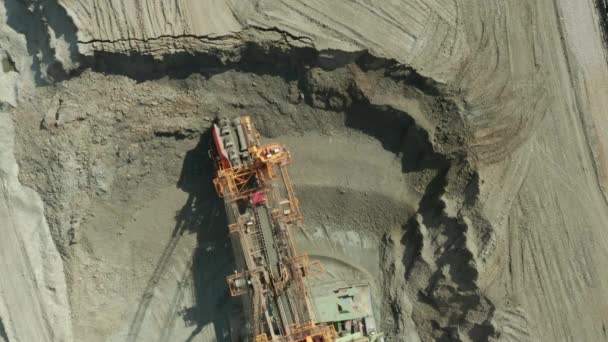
<point>452,154</point>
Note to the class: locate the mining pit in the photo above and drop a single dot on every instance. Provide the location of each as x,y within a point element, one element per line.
<point>455,164</point>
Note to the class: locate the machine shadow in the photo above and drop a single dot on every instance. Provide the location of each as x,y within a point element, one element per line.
<point>204,214</point>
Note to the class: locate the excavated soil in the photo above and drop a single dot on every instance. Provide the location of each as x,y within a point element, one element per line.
<point>124,163</point>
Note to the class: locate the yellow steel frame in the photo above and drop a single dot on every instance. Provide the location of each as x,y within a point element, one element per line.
<point>296,215</point>
<point>234,228</point>
<point>306,265</point>
<point>304,333</point>
<point>308,332</point>
<point>262,338</point>
<point>231,280</point>
<point>232,183</point>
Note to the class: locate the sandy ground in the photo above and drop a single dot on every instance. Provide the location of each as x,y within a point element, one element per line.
<point>468,188</point>
<point>34,304</point>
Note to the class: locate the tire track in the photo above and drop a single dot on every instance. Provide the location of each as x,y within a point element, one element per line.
<point>25,258</point>
<point>182,285</point>
<point>148,294</point>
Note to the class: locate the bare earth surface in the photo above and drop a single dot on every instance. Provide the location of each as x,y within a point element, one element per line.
<point>453,154</point>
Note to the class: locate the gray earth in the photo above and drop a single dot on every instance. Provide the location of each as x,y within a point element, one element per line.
<point>450,153</point>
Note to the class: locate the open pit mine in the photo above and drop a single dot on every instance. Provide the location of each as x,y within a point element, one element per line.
<point>289,170</point>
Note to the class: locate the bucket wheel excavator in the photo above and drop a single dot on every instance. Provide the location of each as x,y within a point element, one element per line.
<point>263,214</point>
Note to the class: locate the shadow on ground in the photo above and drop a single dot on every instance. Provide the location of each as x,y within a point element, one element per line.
<point>33,19</point>
<point>398,133</point>
<point>212,260</point>
<point>204,213</point>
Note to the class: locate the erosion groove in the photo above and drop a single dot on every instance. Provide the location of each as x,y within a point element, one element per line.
<point>452,290</point>
<point>434,243</point>
<point>161,37</point>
